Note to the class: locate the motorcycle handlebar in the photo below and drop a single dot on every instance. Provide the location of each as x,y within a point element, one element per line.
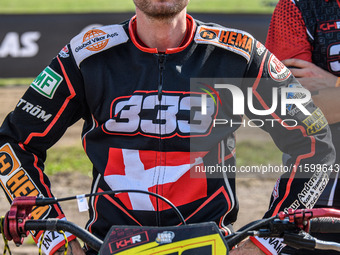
<point>57,225</point>
<point>325,225</point>
<point>317,225</point>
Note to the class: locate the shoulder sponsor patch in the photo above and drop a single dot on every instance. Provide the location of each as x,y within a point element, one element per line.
<point>233,40</point>
<point>47,82</point>
<point>96,40</point>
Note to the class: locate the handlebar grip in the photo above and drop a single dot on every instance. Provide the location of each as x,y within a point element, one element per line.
<point>325,225</point>
<point>57,225</point>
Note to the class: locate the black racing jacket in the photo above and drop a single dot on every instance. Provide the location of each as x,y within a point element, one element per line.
<point>145,126</point>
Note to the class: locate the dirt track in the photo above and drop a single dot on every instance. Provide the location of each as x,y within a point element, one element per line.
<point>253,193</point>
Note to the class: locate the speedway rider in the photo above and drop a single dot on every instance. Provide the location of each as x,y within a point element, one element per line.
<point>144,127</point>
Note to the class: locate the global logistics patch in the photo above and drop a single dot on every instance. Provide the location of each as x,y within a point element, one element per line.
<point>96,40</point>
<point>47,82</point>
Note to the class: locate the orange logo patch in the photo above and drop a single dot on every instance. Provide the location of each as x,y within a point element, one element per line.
<point>209,34</point>
<point>98,39</point>
<point>231,39</point>
<point>8,161</point>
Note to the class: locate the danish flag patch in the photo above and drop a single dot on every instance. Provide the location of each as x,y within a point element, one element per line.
<point>165,173</point>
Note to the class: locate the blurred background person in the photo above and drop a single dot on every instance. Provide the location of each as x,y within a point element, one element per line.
<point>305,36</point>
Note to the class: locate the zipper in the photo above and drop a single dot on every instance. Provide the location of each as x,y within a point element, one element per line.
<point>161,68</point>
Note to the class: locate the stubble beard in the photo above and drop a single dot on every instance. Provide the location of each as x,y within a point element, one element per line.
<point>163,12</point>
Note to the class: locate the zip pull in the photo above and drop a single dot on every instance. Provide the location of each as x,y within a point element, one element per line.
<point>161,67</point>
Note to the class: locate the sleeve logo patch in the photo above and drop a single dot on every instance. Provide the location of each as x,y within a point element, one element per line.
<point>8,161</point>
<point>277,70</point>
<point>47,82</point>
<point>315,122</point>
<point>232,39</point>
<point>64,53</point>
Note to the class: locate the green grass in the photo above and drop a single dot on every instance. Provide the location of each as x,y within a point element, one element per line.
<point>76,6</point>
<point>254,153</point>
<point>15,81</point>
<point>67,159</point>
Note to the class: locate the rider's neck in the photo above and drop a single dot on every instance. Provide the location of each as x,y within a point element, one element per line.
<point>161,34</point>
